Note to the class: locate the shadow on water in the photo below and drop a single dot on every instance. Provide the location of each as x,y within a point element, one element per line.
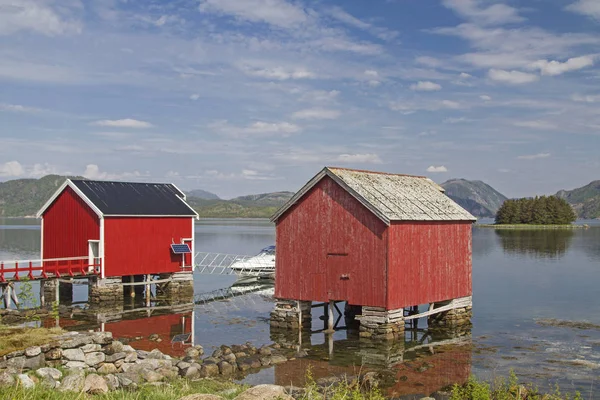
<point>545,243</point>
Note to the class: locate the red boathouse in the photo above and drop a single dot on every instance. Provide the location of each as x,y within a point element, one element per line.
<point>129,227</point>
<point>381,241</point>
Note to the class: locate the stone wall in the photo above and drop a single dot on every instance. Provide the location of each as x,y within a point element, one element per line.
<point>179,288</point>
<point>379,323</point>
<point>291,314</point>
<point>456,320</point>
<point>105,291</point>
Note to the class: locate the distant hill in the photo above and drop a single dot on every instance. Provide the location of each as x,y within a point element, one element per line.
<point>275,199</point>
<point>477,197</point>
<point>202,194</point>
<point>25,197</point>
<point>584,200</point>
<point>251,206</point>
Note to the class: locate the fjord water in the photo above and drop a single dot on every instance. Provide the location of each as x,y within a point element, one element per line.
<point>519,278</point>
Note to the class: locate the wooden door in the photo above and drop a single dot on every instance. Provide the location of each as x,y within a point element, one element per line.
<point>338,276</point>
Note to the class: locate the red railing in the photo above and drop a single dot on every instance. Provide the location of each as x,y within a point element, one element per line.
<point>49,268</point>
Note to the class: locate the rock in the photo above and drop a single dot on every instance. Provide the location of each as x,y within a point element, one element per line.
<point>208,370</point>
<point>192,353</point>
<point>125,382</point>
<point>72,383</point>
<point>91,347</point>
<point>6,379</point>
<point>201,396</point>
<point>33,351</point>
<point>128,349</point>
<point>211,360</point>
<point>156,355</point>
<point>102,337</point>
<point>191,372</point>
<point>264,392</point>
<point>244,365</point>
<point>131,357</point>
<point>153,364</point>
<point>49,382</point>
<point>150,376</point>
<point>76,341</point>
<point>95,384</point>
<point>225,368</point>
<point>226,350</point>
<point>255,362</point>
<point>25,381</point>
<point>116,356</point>
<point>76,365</point>
<point>53,372</point>
<point>153,337</point>
<point>107,368</point>
<point>230,358</point>
<point>217,353</point>
<point>74,355</point>
<point>241,354</point>
<point>114,347</point>
<point>265,351</point>
<point>169,373</point>
<point>141,354</point>
<point>182,365</point>
<point>54,354</point>
<point>277,359</point>
<point>112,382</point>
<point>24,363</point>
<point>265,361</point>
<point>96,358</point>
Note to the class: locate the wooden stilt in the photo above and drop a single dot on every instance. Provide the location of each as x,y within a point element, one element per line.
<point>131,288</point>
<point>6,296</point>
<point>148,290</point>
<point>330,345</point>
<point>42,297</point>
<point>57,292</point>
<point>330,318</point>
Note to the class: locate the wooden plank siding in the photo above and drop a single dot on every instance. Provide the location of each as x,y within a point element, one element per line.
<point>136,246</point>
<point>68,225</point>
<point>428,262</point>
<point>327,223</point>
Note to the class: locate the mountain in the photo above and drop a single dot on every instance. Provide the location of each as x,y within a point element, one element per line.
<point>275,199</point>
<point>24,197</point>
<point>251,206</point>
<point>202,194</point>
<point>477,197</point>
<point>585,200</point>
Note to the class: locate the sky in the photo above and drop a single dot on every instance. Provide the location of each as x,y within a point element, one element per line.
<point>250,96</point>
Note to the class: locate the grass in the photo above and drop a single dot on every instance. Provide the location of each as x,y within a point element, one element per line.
<point>13,339</point>
<point>175,390</point>
<point>528,226</point>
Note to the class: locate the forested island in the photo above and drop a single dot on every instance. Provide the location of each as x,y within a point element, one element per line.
<point>544,210</point>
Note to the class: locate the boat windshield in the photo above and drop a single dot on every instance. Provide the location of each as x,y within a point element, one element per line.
<point>270,250</point>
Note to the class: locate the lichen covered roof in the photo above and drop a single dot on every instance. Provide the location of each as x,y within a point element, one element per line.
<point>392,197</point>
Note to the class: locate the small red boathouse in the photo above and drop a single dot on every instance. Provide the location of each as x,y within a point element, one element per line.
<point>129,227</point>
<point>372,239</point>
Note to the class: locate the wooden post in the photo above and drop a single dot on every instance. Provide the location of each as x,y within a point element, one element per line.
<point>57,292</point>
<point>330,318</point>
<point>13,295</point>
<point>148,290</point>
<point>131,288</point>
<point>330,344</point>
<point>6,296</point>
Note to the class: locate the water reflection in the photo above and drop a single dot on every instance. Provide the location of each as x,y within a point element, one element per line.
<point>546,243</point>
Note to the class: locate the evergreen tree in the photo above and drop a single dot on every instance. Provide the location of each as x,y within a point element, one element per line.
<point>544,210</point>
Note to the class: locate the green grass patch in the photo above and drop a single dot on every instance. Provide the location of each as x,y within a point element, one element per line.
<point>173,391</point>
<point>20,338</point>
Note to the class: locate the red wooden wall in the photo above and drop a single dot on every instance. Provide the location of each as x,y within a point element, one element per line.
<point>326,235</point>
<point>428,262</point>
<point>68,225</point>
<point>136,246</point>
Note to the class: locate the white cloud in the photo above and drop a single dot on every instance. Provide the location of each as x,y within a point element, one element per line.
<point>450,104</point>
<point>17,108</point>
<point>534,156</point>
<point>342,16</point>
<point>122,123</point>
<point>11,169</point>
<point>456,120</point>
<point>38,16</point>
<point>435,169</point>
<point>92,171</point>
<point>511,77</point>
<point>256,129</point>
<point>485,97</point>
<point>586,98</point>
<point>374,83</point>
<point>553,68</point>
<point>320,96</point>
<point>425,86</point>
<point>358,158</point>
<point>464,75</point>
<point>371,73</point>
<point>477,11</point>
<point>429,61</point>
<point>194,96</point>
<point>586,7</point>
<point>279,13</point>
<point>544,125</point>
<point>278,73</point>
<point>316,113</point>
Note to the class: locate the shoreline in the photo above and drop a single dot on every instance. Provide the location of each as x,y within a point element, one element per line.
<point>531,227</point>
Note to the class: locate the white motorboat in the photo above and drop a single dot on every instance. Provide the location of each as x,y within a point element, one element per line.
<point>261,265</point>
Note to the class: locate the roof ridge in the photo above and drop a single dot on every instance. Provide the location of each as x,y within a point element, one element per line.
<point>376,172</point>
<point>127,182</point>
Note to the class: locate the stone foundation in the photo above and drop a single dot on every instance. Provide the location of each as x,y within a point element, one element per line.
<point>105,291</point>
<point>65,291</point>
<point>291,314</point>
<point>49,290</point>
<point>379,323</point>
<point>456,320</point>
<point>180,287</point>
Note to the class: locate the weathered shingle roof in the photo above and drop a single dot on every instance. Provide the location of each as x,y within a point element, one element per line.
<point>129,198</point>
<point>392,197</point>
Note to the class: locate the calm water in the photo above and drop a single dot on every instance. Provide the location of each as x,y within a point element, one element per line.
<point>518,277</point>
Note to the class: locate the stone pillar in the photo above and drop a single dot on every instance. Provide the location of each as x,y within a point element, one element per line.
<point>180,286</point>
<point>456,320</point>
<point>379,323</point>
<point>49,288</point>
<point>105,291</point>
<point>291,314</point>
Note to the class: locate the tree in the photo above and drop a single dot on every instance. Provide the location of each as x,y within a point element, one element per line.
<point>544,210</point>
